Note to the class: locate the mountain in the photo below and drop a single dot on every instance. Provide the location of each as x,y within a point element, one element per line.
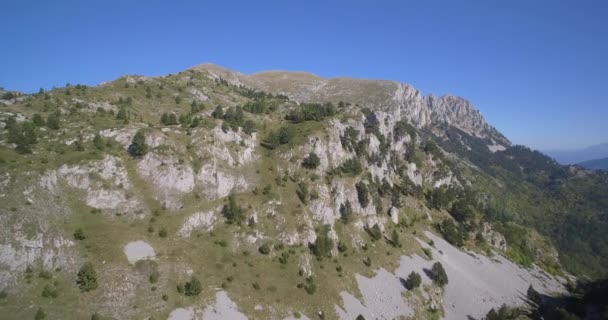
<point>597,164</point>
<point>213,194</point>
<point>580,155</point>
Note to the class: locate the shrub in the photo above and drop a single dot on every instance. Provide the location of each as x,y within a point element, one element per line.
<point>346,212</point>
<point>87,278</point>
<point>440,278</point>
<point>38,120</point>
<point>452,233</point>
<point>154,277</point>
<point>193,287</point>
<point>23,135</point>
<point>362,194</point>
<point>395,242</point>
<point>374,232</point>
<point>275,139</point>
<point>98,142</point>
<point>79,234</point>
<point>45,274</point>
<point>351,166</point>
<point>40,315</point>
<point>311,112</point>
<point>323,244</point>
<point>49,292</point>
<point>312,161</point>
<point>413,281</point>
<point>264,248</point>
<point>52,122</point>
<point>302,192</point>
<point>310,286</point>
<point>138,146</point>
<point>163,232</point>
<point>122,114</point>
<point>232,211</point>
<point>168,119</point>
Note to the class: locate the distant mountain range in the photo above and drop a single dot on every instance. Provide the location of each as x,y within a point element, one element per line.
<point>594,152</point>
<point>597,164</point>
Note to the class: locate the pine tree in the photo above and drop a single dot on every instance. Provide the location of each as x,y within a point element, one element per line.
<point>138,146</point>
<point>439,276</point>
<point>87,278</point>
<point>413,280</point>
<point>98,142</point>
<point>52,121</point>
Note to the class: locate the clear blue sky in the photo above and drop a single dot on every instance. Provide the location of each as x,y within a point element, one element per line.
<point>537,70</point>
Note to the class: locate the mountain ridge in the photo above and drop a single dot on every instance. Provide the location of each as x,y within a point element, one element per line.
<point>279,193</point>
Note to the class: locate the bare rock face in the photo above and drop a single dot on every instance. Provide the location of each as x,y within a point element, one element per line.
<point>494,238</point>
<point>394,214</point>
<point>198,221</point>
<point>169,177</point>
<point>105,183</point>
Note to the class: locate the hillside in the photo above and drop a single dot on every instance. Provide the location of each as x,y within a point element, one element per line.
<point>579,155</point>
<point>597,164</point>
<point>213,194</point>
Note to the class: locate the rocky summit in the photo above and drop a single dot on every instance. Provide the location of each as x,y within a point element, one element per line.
<point>212,194</point>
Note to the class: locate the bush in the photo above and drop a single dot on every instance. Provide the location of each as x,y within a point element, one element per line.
<point>362,194</point>
<point>87,278</point>
<point>40,315</point>
<point>395,241</point>
<point>346,212</point>
<point>79,234</point>
<point>23,135</point>
<point>138,147</point>
<point>374,232</point>
<point>440,278</point>
<point>310,286</point>
<point>168,119</point>
<point>323,244</point>
<point>37,120</point>
<point>302,192</point>
<point>351,166</point>
<point>98,142</point>
<point>154,277</point>
<point>413,281</point>
<point>49,292</point>
<point>193,287</point>
<point>312,161</point>
<point>311,112</point>
<point>52,122</point>
<point>452,233</point>
<point>264,248</point>
<point>232,211</point>
<point>163,232</point>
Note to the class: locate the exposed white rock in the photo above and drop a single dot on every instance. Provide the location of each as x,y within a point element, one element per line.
<point>496,147</point>
<point>476,284</point>
<point>168,176</point>
<point>394,214</point>
<point>321,208</point>
<point>181,314</point>
<point>197,221</point>
<point>223,308</point>
<point>494,238</point>
<point>216,183</point>
<point>138,250</point>
<point>51,252</point>
<point>105,183</point>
